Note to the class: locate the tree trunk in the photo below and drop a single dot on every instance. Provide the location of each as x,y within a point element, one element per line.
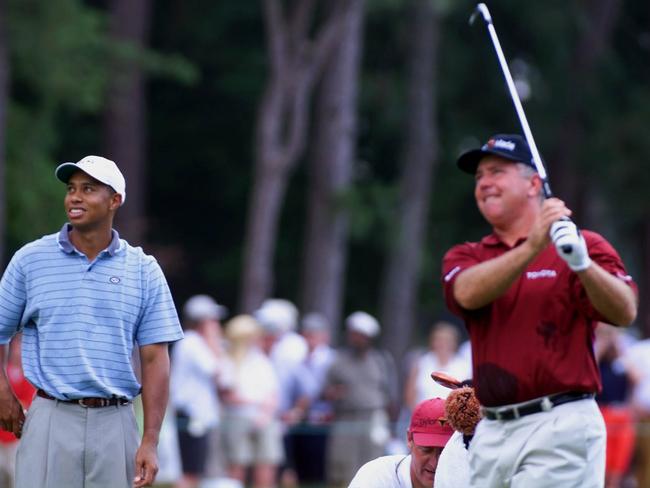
<point>400,281</point>
<point>281,132</point>
<point>330,172</point>
<point>124,122</point>
<point>4,103</point>
<point>567,179</point>
<point>262,228</point>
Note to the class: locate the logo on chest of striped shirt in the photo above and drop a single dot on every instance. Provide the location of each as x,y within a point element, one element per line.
<point>114,279</point>
<point>542,273</point>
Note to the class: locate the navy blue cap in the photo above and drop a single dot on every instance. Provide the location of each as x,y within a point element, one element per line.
<point>508,146</point>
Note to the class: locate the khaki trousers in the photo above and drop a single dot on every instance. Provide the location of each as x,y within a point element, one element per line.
<point>68,446</point>
<point>564,447</point>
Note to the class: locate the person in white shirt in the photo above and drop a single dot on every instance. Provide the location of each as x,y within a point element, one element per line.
<point>251,433</point>
<point>443,355</point>
<point>285,347</point>
<point>198,372</point>
<point>287,350</point>
<point>426,437</point>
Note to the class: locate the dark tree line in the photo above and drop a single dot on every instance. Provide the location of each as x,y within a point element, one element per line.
<point>304,149</point>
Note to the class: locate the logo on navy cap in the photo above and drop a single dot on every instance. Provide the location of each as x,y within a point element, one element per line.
<point>500,144</point>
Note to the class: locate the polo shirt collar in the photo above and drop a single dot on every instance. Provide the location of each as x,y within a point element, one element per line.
<point>66,246</point>
<point>493,240</point>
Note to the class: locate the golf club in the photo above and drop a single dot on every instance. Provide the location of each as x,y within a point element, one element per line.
<point>482,10</point>
<point>446,380</point>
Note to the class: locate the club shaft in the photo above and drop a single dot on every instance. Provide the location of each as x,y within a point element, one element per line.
<point>537,160</point>
<point>481,9</point>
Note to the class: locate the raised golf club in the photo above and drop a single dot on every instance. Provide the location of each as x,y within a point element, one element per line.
<point>560,226</point>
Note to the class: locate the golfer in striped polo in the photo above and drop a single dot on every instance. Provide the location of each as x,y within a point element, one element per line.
<point>84,298</point>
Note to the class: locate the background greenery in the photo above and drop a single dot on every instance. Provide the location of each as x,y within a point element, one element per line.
<point>206,66</point>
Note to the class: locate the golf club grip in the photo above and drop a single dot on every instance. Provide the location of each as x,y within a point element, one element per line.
<point>567,248</point>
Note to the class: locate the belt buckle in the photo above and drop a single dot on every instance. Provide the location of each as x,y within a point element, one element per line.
<point>103,402</point>
<point>546,404</point>
<point>501,412</point>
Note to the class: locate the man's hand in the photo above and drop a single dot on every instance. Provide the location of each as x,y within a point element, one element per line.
<point>12,415</point>
<point>146,465</point>
<point>553,209</point>
<point>570,245</point>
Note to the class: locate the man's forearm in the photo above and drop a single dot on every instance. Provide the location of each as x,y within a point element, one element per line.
<point>483,283</point>
<point>5,388</point>
<point>612,297</point>
<point>155,389</point>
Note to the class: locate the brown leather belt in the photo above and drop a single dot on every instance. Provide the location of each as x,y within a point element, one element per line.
<point>91,402</point>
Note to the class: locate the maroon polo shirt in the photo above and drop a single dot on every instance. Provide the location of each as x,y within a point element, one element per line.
<point>537,338</point>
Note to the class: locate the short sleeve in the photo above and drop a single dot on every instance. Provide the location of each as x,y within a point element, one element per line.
<point>159,320</point>
<point>456,260</point>
<point>13,297</point>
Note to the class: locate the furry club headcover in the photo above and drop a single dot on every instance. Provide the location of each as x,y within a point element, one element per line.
<point>463,410</point>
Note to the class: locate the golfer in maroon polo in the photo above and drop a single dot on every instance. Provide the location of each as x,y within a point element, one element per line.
<point>531,309</point>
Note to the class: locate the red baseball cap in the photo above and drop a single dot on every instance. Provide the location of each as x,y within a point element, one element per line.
<point>429,426</point>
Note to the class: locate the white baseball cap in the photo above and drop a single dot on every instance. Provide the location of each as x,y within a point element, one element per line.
<point>277,315</point>
<point>102,169</point>
<point>315,322</point>
<point>363,323</point>
<point>203,307</point>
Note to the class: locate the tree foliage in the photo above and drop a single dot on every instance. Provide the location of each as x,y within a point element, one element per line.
<point>207,68</point>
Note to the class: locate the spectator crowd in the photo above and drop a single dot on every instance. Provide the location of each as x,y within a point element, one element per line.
<point>267,400</point>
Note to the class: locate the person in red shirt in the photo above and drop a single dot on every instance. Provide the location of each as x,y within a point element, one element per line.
<point>530,309</point>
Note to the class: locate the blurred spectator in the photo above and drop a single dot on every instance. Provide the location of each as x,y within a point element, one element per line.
<point>465,352</point>
<point>618,378</point>
<point>287,350</point>
<point>310,414</point>
<point>314,368</point>
<point>442,356</point>
<point>361,384</point>
<point>279,317</point>
<point>25,393</point>
<point>427,435</point>
<point>251,431</point>
<point>199,374</point>
<point>639,355</point>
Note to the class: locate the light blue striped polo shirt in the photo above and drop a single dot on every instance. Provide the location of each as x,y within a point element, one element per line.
<point>81,319</point>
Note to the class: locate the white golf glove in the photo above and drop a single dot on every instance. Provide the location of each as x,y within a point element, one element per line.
<point>570,244</point>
